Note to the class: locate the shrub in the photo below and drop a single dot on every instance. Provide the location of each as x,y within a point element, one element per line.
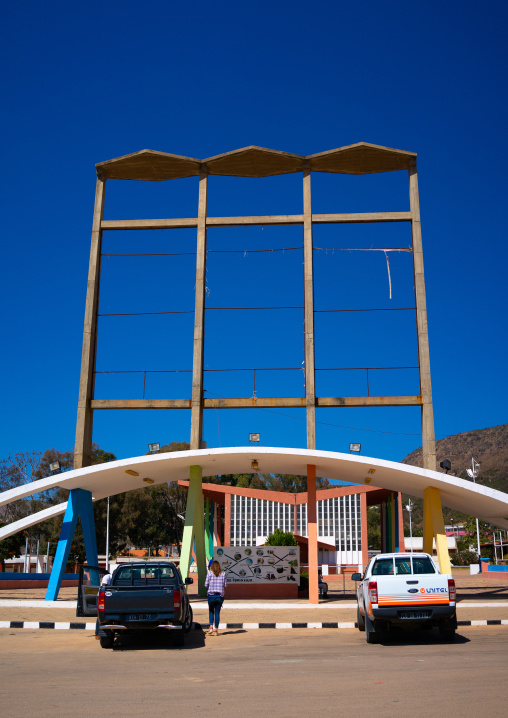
<point>281,538</point>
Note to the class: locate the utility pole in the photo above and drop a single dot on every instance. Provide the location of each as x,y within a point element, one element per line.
<point>473,473</point>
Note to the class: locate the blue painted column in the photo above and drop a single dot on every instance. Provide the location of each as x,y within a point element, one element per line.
<point>79,504</point>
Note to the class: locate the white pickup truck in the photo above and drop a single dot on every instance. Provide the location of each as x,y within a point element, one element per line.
<point>405,590</point>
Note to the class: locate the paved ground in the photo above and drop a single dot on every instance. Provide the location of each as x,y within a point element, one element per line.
<point>271,673</point>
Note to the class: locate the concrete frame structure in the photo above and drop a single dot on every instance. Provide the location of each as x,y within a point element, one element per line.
<point>148,165</point>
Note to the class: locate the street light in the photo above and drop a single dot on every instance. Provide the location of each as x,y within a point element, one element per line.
<point>445,465</point>
<point>55,468</point>
<point>409,508</point>
<point>355,448</point>
<point>473,473</point>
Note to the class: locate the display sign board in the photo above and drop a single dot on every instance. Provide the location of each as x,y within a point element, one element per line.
<point>260,564</point>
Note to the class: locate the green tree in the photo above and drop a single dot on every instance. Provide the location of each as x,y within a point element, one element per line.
<point>10,547</point>
<point>281,538</point>
<point>151,515</point>
<point>374,528</point>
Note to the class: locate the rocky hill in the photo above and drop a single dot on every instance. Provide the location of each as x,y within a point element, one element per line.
<point>489,448</point>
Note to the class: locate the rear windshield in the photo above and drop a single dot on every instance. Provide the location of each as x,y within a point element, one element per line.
<point>144,575</point>
<point>386,566</point>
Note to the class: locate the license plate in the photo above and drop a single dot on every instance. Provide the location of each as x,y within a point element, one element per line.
<point>414,614</point>
<point>140,617</point>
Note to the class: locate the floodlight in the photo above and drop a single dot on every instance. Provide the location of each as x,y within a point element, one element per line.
<point>355,448</point>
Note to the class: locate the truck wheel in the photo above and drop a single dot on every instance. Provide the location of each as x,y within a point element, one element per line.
<point>107,641</point>
<point>370,635</point>
<point>188,620</point>
<point>360,620</point>
<point>447,634</point>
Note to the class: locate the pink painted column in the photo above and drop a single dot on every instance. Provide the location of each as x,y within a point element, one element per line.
<point>312,534</point>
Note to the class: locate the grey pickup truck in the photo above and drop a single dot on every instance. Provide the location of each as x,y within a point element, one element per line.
<point>141,596</point>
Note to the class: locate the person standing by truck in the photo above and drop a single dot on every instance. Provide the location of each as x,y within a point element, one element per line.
<point>215,584</point>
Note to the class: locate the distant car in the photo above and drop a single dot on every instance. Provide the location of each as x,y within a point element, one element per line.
<point>323,588</point>
<point>405,590</point>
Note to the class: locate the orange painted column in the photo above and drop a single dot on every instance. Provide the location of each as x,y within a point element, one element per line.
<point>312,534</point>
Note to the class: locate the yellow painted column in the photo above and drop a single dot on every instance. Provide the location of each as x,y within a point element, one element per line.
<point>428,534</point>
<point>432,506</point>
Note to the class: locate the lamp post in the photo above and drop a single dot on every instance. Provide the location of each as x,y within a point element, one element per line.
<point>409,508</point>
<point>473,473</point>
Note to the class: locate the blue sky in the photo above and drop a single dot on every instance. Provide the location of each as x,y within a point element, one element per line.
<point>86,83</point>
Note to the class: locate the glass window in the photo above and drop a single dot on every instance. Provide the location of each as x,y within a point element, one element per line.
<point>383,567</point>
<point>402,565</point>
<point>422,565</point>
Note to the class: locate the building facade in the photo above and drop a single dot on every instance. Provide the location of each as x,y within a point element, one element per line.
<point>246,517</point>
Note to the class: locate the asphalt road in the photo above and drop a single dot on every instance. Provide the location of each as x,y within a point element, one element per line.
<point>255,673</point>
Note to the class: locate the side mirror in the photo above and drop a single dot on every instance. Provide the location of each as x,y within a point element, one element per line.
<point>188,581</point>
<point>356,577</point>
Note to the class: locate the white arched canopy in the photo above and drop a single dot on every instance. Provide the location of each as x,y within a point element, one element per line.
<point>113,478</point>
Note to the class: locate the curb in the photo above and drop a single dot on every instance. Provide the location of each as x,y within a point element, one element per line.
<point>224,626</point>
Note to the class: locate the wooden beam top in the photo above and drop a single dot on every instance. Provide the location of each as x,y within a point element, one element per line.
<point>358,159</point>
<point>361,159</point>
<point>148,165</point>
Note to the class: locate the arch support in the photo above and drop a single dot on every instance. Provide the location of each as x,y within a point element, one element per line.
<point>433,528</point>
<point>193,532</point>
<point>79,505</point>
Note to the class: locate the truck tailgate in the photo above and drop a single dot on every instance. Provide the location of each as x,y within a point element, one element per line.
<point>412,591</point>
<point>124,599</point>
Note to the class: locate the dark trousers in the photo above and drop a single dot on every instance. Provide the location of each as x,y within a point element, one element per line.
<point>215,602</point>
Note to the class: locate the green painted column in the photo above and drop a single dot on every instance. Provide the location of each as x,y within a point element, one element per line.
<point>193,531</point>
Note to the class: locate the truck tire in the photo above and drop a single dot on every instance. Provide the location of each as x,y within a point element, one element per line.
<point>107,641</point>
<point>370,635</point>
<point>360,620</point>
<point>188,620</point>
<point>447,634</point>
